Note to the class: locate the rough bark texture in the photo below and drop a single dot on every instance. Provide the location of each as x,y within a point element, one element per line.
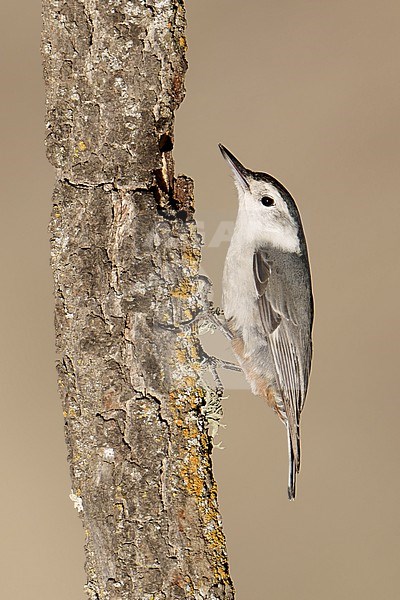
<point>125,255</point>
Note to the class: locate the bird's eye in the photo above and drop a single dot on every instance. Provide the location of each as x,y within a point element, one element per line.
<point>267,201</point>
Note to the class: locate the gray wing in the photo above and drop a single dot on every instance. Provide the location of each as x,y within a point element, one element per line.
<point>283,287</point>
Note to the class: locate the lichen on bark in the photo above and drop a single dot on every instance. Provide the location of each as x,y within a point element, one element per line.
<point>125,256</point>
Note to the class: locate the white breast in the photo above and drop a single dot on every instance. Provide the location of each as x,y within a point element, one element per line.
<point>239,291</point>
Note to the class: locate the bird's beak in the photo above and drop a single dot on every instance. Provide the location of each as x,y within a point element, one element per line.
<point>240,173</point>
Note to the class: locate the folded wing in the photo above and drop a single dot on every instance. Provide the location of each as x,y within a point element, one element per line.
<point>285,312</point>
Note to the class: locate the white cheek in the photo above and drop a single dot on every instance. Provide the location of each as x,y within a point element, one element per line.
<point>285,239</point>
<point>263,226</point>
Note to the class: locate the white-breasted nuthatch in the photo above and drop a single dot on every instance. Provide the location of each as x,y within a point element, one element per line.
<point>267,299</point>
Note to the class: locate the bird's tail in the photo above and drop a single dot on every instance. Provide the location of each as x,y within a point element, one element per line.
<point>294,460</point>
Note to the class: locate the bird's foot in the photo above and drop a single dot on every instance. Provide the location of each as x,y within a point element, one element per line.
<point>212,363</point>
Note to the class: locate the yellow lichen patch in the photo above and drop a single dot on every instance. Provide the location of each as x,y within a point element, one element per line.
<point>182,42</point>
<point>190,383</point>
<point>187,314</point>
<point>184,289</point>
<point>181,355</point>
<point>215,537</point>
<point>191,431</point>
<point>204,441</point>
<point>206,500</point>
<point>82,146</point>
<point>222,574</point>
<point>174,397</point>
<point>194,470</point>
<point>193,479</point>
<point>192,257</point>
<point>194,353</point>
<point>190,475</point>
<point>187,392</point>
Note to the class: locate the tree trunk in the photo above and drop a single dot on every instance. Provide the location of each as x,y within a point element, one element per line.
<point>125,255</point>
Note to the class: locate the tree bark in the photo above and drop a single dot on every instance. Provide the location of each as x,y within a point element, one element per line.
<point>125,255</point>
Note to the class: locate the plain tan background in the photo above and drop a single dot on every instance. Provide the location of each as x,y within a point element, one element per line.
<point>308,91</point>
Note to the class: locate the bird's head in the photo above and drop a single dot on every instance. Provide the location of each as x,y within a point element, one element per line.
<point>267,212</point>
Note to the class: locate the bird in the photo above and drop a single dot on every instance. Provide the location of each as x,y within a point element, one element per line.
<point>267,299</point>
